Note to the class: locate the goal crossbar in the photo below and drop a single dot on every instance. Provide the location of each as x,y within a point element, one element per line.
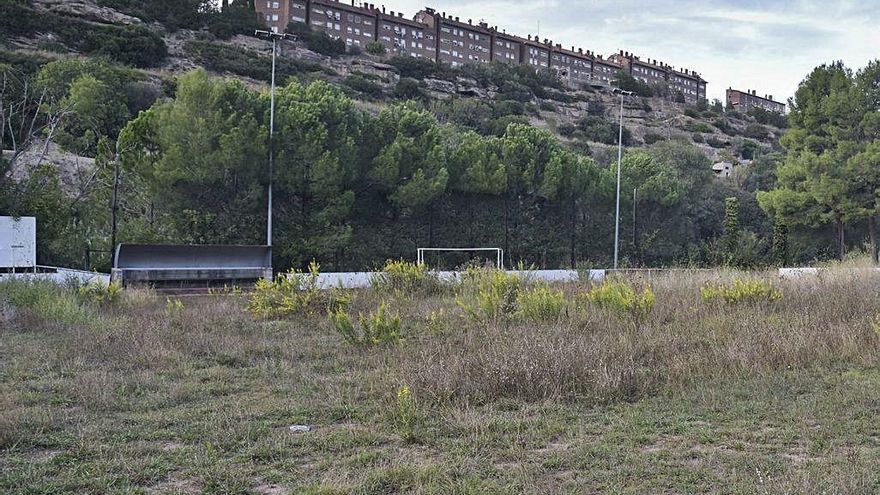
<point>499,254</point>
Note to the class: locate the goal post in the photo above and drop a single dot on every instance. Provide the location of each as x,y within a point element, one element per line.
<point>499,254</point>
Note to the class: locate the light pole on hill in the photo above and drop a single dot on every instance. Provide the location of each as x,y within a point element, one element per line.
<point>622,93</point>
<point>274,37</point>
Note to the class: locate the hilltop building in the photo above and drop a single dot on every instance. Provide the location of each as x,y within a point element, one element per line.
<point>444,38</point>
<point>743,101</point>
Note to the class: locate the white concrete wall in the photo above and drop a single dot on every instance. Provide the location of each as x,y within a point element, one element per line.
<point>60,276</point>
<point>361,280</point>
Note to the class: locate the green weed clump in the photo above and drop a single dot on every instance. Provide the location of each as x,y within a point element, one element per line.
<point>379,328</point>
<point>97,293</point>
<point>540,304</point>
<point>293,293</point>
<point>47,300</point>
<point>488,295</point>
<point>407,414</point>
<point>403,277</point>
<point>623,299</point>
<point>753,291</point>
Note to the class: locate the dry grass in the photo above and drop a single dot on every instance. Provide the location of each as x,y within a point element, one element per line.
<point>778,398</point>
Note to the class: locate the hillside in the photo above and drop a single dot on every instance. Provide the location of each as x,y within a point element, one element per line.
<point>581,117</point>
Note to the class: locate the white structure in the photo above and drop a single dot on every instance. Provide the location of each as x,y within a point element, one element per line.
<point>18,243</point>
<point>723,169</point>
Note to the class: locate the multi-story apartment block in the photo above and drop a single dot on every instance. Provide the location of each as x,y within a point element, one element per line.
<point>506,48</point>
<point>689,83</point>
<point>659,74</point>
<point>458,43</point>
<point>354,24</point>
<point>604,70</point>
<point>572,65</point>
<point>536,54</point>
<point>435,36</point>
<point>276,13</point>
<point>402,36</point>
<point>744,101</point>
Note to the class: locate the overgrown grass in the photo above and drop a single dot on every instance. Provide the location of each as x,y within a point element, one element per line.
<point>152,395</point>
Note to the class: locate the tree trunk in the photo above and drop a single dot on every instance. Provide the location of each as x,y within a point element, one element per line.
<point>841,241</point>
<point>872,233</point>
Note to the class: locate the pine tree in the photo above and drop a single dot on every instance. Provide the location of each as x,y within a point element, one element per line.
<point>780,242</point>
<point>731,234</point>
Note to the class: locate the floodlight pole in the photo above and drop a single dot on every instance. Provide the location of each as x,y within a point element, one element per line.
<point>619,163</point>
<point>274,37</point>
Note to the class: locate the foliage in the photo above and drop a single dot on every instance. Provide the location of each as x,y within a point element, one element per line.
<point>377,328</point>
<point>375,48</point>
<point>602,131</point>
<point>405,278</point>
<point>99,294</point>
<point>732,232</point>
<point>540,303</point>
<point>236,18</point>
<point>416,68</point>
<point>755,131</point>
<point>653,137</point>
<point>701,127</point>
<point>130,45</point>
<point>627,82</point>
<point>292,294</point>
<point>46,300</point>
<point>488,295</point>
<point>767,117</point>
<point>622,299</point>
<point>363,85</point>
<point>244,62</point>
<point>753,291</point>
<point>407,414</point>
<point>780,243</point>
<point>408,88</point>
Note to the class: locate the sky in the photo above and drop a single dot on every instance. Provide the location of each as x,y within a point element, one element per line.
<point>765,45</point>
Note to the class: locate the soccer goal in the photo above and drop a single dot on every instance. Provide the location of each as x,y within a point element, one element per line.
<point>499,253</point>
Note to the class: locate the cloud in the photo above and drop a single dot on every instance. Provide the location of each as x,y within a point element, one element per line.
<point>767,45</point>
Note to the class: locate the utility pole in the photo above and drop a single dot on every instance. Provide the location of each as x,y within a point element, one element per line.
<point>619,164</point>
<point>274,37</point>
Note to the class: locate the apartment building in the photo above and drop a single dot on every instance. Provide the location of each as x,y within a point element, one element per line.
<point>354,24</point>
<point>659,74</point>
<point>506,48</point>
<point>536,54</point>
<point>744,101</point>
<point>276,13</point>
<point>572,65</point>
<point>458,42</point>
<point>405,37</point>
<point>604,70</point>
<point>436,36</point>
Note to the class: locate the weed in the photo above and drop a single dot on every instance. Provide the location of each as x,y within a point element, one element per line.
<point>407,414</point>
<point>540,304</point>
<point>97,293</point>
<point>405,278</point>
<point>488,295</point>
<point>293,293</point>
<point>623,299</point>
<point>754,291</point>
<point>377,328</point>
<point>47,300</point>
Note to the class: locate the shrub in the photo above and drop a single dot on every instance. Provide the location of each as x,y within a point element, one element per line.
<point>627,82</point>
<point>402,277</point>
<point>377,328</point>
<point>540,304</point>
<point>97,293</point>
<point>653,137</point>
<point>623,300</point>
<point>363,85</point>
<point>679,97</point>
<point>293,293</point>
<point>596,108</point>
<point>602,131</point>
<point>690,112</point>
<point>46,300</point>
<point>225,58</point>
<point>716,143</point>
<point>754,291</point>
<point>316,40</point>
<point>547,106</point>
<point>408,88</point>
<point>407,414</point>
<point>375,48</point>
<point>698,138</point>
<point>755,131</point>
<point>416,68</point>
<point>488,295</point>
<point>700,127</point>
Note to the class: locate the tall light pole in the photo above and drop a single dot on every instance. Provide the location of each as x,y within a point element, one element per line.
<point>619,163</point>
<point>274,37</point>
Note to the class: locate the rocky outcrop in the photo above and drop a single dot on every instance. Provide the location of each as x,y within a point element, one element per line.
<point>88,10</point>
